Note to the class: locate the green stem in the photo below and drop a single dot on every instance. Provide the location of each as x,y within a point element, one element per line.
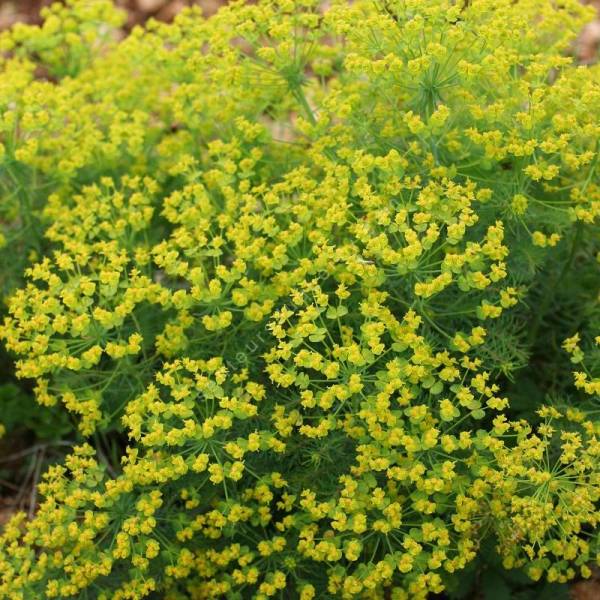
<point>299,95</point>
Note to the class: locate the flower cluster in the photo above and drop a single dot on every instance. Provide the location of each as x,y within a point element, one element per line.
<point>317,275</point>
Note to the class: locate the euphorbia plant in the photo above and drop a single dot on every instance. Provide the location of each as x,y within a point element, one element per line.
<point>320,273</point>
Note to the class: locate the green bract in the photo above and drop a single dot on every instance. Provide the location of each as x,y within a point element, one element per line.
<point>321,275</point>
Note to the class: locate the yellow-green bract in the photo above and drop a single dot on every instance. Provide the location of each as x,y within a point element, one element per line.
<point>322,273</point>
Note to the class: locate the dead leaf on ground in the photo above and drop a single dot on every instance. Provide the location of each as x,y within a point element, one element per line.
<point>588,589</point>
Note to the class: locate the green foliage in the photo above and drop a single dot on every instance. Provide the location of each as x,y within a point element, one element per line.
<point>315,292</point>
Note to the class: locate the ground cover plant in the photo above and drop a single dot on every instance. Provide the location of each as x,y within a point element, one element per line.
<point>307,295</point>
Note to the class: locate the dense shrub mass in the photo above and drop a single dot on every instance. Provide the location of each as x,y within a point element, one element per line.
<point>321,277</point>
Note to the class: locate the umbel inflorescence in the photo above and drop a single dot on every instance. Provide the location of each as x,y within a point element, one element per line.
<point>324,273</point>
